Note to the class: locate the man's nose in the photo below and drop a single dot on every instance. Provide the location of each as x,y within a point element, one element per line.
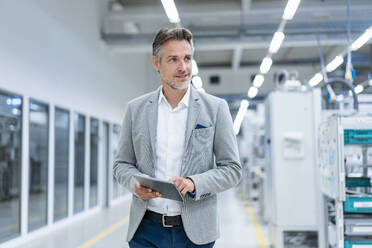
<point>181,66</point>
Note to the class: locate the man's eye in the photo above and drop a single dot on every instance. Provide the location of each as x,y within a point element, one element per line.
<point>173,60</point>
<point>188,59</point>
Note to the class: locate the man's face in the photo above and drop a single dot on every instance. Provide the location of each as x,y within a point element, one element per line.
<point>175,65</point>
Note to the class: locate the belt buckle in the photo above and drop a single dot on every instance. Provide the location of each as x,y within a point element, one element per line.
<point>163,221</point>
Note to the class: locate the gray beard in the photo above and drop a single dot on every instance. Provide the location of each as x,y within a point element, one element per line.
<point>178,87</point>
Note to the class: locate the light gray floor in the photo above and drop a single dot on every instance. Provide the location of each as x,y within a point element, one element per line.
<point>236,227</point>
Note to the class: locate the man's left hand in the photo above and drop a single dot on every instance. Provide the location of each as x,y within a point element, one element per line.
<point>184,185</point>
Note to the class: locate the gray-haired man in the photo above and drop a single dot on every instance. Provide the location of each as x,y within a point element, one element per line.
<point>174,133</point>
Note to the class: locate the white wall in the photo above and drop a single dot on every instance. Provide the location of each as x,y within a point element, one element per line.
<point>51,50</point>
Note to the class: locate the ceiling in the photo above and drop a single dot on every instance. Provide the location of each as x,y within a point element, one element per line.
<point>236,34</point>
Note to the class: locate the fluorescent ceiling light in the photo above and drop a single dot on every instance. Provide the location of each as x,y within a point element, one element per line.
<point>363,39</point>
<point>359,88</point>
<point>290,9</point>
<point>171,11</point>
<point>244,104</point>
<point>258,80</point>
<point>252,92</point>
<point>336,62</point>
<point>276,42</point>
<point>266,65</point>
<point>240,116</point>
<point>316,79</point>
<point>197,82</point>
<point>195,69</point>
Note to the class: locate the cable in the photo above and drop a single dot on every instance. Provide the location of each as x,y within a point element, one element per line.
<point>349,65</point>
<point>348,85</point>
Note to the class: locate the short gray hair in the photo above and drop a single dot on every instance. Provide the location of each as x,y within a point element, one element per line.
<point>166,34</point>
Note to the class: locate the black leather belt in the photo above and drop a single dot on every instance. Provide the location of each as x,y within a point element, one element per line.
<point>166,221</point>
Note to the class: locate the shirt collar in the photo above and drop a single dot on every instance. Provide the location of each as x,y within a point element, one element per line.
<point>185,99</point>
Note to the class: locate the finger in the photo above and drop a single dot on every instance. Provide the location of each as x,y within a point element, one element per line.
<point>180,181</point>
<point>184,191</point>
<point>152,195</point>
<point>181,187</point>
<point>144,189</point>
<point>173,179</point>
<point>176,179</point>
<point>137,185</point>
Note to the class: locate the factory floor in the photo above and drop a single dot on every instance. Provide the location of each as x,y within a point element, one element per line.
<point>239,221</point>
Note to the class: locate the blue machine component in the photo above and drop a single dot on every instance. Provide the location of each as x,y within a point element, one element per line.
<point>358,136</point>
<point>352,244</point>
<point>358,182</point>
<point>358,204</point>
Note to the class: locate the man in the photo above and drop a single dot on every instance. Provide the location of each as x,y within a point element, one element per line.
<point>179,134</point>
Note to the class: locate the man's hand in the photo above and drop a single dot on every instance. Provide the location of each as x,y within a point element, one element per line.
<point>184,185</point>
<point>145,193</point>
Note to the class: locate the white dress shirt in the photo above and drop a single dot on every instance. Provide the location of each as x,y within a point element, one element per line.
<point>170,146</point>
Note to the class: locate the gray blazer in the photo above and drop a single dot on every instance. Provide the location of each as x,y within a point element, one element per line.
<point>136,155</point>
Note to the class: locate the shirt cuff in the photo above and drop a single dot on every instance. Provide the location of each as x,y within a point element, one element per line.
<point>192,195</point>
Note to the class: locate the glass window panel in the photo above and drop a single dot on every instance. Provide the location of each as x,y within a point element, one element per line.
<point>38,167</point>
<point>115,143</point>
<point>79,125</point>
<point>61,145</point>
<point>93,162</point>
<point>10,164</point>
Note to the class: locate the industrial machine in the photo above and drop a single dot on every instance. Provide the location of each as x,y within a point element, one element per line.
<point>251,151</point>
<point>292,194</point>
<point>345,166</point>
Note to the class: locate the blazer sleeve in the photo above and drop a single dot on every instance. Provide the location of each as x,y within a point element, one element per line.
<point>228,169</point>
<point>125,161</point>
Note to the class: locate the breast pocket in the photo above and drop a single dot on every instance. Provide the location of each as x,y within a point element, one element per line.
<point>202,148</point>
<point>203,136</point>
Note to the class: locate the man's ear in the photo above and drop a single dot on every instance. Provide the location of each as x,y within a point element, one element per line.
<point>156,63</point>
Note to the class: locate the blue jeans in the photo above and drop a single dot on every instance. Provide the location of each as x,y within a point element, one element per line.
<point>153,235</point>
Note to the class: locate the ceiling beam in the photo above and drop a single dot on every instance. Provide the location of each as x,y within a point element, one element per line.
<point>124,45</point>
<point>257,10</point>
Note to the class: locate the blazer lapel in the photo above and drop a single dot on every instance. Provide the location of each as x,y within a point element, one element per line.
<point>152,120</point>
<point>193,114</point>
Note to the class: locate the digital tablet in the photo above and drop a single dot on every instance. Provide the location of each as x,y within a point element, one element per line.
<point>167,189</point>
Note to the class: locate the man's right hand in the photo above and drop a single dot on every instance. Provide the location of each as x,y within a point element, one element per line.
<point>145,193</point>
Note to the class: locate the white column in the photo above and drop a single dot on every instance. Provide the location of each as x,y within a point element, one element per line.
<point>71,166</point>
<point>51,166</point>
<point>25,165</point>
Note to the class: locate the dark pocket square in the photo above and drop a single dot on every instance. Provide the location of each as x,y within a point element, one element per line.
<point>198,126</point>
